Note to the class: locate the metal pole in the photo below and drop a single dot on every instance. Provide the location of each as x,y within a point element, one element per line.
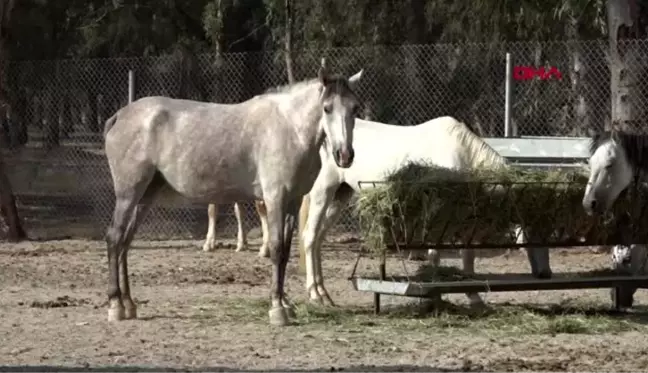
<point>383,277</point>
<point>508,131</point>
<point>131,86</point>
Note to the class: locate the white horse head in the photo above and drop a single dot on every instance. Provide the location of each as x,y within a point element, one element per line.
<point>616,156</point>
<point>340,108</point>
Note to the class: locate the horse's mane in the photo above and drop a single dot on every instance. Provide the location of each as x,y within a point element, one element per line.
<point>634,145</point>
<point>479,152</point>
<point>288,88</point>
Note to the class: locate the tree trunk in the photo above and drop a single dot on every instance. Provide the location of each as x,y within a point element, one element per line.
<point>627,70</point>
<point>288,40</point>
<point>580,119</point>
<point>219,61</point>
<point>8,208</point>
<point>6,7</point>
<point>414,61</point>
<point>627,67</point>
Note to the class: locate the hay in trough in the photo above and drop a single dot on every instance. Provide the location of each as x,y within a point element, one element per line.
<point>421,204</point>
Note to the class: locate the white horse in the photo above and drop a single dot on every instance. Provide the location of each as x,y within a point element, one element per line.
<point>241,236</point>
<point>617,159</point>
<point>266,148</point>
<point>382,148</point>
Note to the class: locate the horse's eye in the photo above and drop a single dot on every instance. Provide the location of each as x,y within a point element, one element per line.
<point>328,109</point>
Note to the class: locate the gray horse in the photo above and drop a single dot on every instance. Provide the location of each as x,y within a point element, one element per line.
<point>266,148</point>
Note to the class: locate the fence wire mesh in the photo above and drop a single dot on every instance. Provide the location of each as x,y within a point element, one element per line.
<point>52,128</point>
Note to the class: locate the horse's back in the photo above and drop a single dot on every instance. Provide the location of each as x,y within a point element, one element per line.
<point>383,148</point>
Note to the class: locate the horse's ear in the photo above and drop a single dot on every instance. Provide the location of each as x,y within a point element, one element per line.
<point>614,135</point>
<point>323,73</point>
<point>353,80</point>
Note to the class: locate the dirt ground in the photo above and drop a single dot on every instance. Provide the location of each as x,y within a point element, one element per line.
<point>209,311</point>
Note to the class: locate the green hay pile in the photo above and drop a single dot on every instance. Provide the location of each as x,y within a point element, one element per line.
<point>421,204</point>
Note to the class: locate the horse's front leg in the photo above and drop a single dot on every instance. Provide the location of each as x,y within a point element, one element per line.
<point>468,261</point>
<point>279,254</point>
<point>628,260</point>
<point>538,256</point>
<point>434,258</point>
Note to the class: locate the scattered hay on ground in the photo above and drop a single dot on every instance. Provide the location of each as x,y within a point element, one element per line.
<point>506,319</point>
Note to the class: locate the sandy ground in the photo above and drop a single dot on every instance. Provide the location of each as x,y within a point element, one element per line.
<point>208,311</point>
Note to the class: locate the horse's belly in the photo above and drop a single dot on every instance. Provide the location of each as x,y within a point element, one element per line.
<point>213,186</point>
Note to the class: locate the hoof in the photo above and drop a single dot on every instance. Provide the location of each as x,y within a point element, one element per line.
<point>622,298</point>
<point>478,305</point>
<point>209,246</point>
<point>264,254</point>
<point>476,301</point>
<point>278,316</point>
<point>241,248</point>
<point>543,275</point>
<point>130,312</point>
<point>116,314</point>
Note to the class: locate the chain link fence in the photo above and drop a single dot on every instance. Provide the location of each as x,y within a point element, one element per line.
<point>52,130</point>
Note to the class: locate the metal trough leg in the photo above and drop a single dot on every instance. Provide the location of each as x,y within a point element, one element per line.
<point>383,276</point>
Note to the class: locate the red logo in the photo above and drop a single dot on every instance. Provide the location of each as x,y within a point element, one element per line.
<point>530,72</point>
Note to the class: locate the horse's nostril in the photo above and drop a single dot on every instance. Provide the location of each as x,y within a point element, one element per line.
<point>593,204</point>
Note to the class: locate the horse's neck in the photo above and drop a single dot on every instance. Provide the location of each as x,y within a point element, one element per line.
<point>479,154</point>
<point>301,106</point>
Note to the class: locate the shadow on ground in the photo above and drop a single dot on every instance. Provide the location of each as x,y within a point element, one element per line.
<point>132,368</point>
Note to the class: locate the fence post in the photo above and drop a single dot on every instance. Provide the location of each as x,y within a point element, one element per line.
<point>131,86</point>
<point>509,131</point>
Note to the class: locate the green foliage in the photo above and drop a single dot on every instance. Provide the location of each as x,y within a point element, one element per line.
<point>49,29</point>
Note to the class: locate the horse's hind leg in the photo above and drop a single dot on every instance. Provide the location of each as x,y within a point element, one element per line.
<point>136,219</point>
<point>333,212</point>
<point>320,199</point>
<point>210,239</point>
<point>241,238</point>
<point>124,224</point>
<point>115,237</point>
<point>538,256</point>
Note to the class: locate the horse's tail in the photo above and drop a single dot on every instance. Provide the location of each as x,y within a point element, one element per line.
<point>303,217</point>
<point>109,124</point>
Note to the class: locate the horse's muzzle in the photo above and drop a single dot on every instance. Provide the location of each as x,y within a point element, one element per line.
<point>591,206</point>
<point>344,156</point>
